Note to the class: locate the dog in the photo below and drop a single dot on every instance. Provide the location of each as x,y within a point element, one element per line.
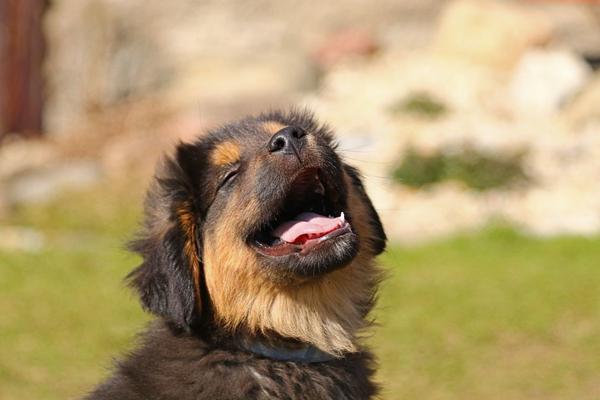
<point>258,251</point>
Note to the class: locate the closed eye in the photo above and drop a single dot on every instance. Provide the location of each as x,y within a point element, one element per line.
<point>229,176</point>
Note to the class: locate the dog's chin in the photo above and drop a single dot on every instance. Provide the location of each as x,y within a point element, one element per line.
<point>313,258</point>
<point>309,232</point>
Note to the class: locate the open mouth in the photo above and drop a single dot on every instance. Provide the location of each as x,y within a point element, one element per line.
<point>308,219</point>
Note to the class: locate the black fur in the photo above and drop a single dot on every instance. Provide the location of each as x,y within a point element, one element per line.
<point>378,241</point>
<point>163,280</point>
<point>176,365</point>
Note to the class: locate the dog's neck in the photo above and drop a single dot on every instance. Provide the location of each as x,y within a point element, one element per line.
<point>304,353</point>
<point>270,346</point>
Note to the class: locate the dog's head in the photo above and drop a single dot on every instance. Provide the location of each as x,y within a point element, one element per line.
<point>262,226</point>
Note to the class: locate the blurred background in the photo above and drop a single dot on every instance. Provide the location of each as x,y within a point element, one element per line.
<point>476,124</point>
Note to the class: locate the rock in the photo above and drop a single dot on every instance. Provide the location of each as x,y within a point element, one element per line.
<point>23,155</point>
<point>102,52</point>
<point>3,203</point>
<point>429,214</point>
<point>344,44</point>
<point>43,184</point>
<point>21,239</point>
<point>562,209</point>
<point>563,163</point>
<point>576,24</point>
<point>585,107</point>
<point>545,80</point>
<point>231,78</point>
<point>490,32</point>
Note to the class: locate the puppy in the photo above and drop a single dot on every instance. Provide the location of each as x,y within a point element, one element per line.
<point>258,259</point>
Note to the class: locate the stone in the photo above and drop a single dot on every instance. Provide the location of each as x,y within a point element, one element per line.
<point>422,215</point>
<point>345,44</point>
<point>17,238</point>
<point>545,80</point>
<point>20,156</point>
<point>576,24</point>
<point>43,184</point>
<point>563,162</point>
<point>494,33</point>
<point>585,107</point>
<point>102,54</point>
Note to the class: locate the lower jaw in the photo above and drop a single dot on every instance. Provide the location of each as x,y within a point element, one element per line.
<point>305,248</point>
<point>323,258</point>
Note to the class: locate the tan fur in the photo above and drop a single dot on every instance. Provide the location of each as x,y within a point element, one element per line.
<point>272,127</point>
<point>328,312</point>
<point>187,223</point>
<point>225,153</point>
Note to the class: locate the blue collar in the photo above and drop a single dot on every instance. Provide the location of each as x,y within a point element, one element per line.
<point>305,354</point>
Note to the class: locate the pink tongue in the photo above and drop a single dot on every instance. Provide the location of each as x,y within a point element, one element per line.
<point>307,226</point>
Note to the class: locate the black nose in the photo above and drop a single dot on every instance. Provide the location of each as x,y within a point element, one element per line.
<point>288,140</point>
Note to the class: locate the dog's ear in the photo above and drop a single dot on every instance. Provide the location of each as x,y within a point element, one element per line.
<point>169,280</point>
<point>378,238</point>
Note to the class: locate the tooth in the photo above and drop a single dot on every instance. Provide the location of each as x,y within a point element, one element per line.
<point>343,217</point>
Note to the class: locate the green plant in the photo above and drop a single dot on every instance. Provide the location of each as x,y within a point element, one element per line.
<point>420,104</point>
<point>417,170</point>
<point>477,170</point>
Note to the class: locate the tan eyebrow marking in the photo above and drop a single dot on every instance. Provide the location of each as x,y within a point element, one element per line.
<point>272,127</point>
<point>225,153</point>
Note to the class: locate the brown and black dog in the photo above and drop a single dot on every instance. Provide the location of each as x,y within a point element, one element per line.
<point>258,257</point>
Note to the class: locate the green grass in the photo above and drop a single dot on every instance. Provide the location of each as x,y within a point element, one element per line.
<point>492,315</point>
<point>64,312</point>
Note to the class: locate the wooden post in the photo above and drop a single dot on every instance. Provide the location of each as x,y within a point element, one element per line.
<point>21,58</point>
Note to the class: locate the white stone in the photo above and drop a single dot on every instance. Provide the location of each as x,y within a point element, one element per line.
<point>545,80</point>
<point>43,184</point>
<point>493,33</point>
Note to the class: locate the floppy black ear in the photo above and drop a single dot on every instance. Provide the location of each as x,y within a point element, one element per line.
<point>378,238</point>
<point>169,279</point>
